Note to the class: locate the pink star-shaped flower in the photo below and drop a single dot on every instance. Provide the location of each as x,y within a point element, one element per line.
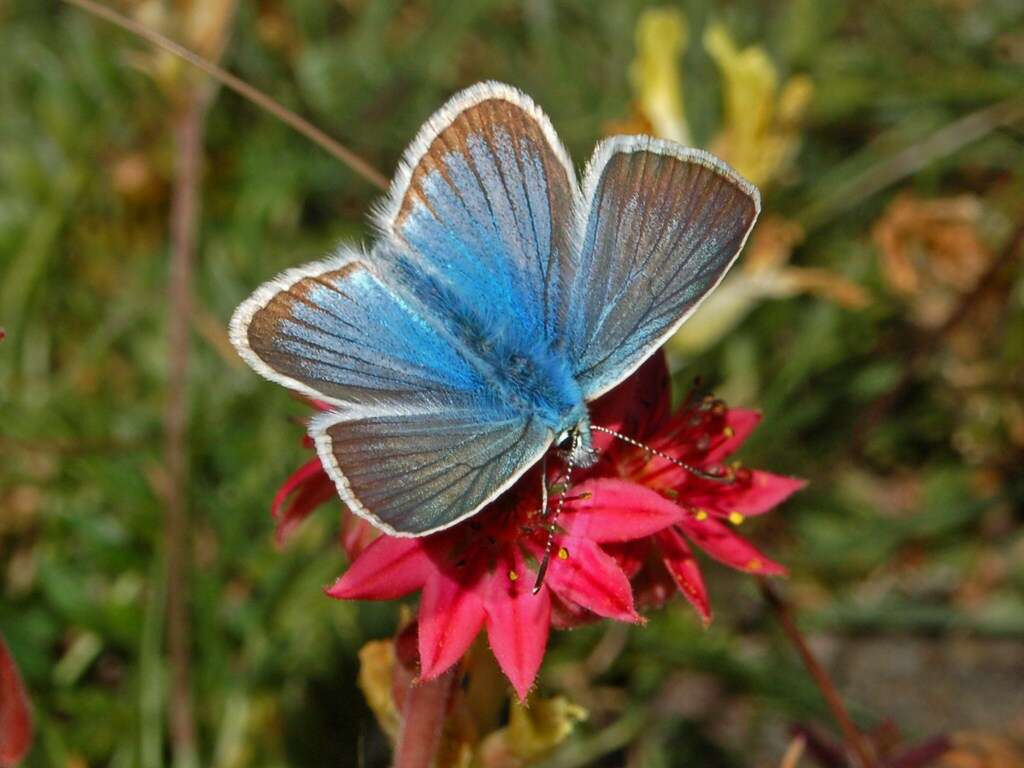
<point>480,574</point>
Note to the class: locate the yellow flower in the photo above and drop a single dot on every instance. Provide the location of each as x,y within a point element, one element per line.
<point>661,36</point>
<point>762,273</point>
<point>761,131</point>
<point>532,732</point>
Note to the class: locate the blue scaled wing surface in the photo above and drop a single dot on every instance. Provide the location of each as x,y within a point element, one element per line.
<point>481,210</point>
<point>659,228</point>
<point>417,439</point>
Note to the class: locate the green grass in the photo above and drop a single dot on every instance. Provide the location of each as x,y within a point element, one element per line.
<point>918,532</point>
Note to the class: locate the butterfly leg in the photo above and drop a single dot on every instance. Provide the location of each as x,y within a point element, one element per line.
<point>544,487</point>
<point>552,522</point>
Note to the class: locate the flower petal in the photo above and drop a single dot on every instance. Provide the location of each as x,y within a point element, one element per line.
<point>568,615</point>
<point>630,556</point>
<point>451,616</point>
<point>765,492</point>
<point>637,407</point>
<point>356,535</point>
<point>311,486</point>
<point>387,569</point>
<point>617,510</point>
<point>740,422</point>
<point>682,566</point>
<point>757,493</point>
<point>517,622</point>
<point>15,718</point>
<point>582,573</point>
<point>722,543</point>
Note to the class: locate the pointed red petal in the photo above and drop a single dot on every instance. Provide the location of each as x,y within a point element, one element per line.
<point>722,543</point>
<point>682,566</point>
<point>583,573</point>
<point>311,486</point>
<point>637,407</point>
<point>740,423</point>
<point>389,568</point>
<point>617,510</point>
<point>15,718</point>
<point>761,493</point>
<point>356,535</point>
<point>517,622</point>
<point>765,492</point>
<point>451,616</point>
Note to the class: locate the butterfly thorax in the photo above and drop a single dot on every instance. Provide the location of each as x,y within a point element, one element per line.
<point>536,380</point>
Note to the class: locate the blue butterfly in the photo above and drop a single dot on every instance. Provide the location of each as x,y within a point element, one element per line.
<point>499,299</point>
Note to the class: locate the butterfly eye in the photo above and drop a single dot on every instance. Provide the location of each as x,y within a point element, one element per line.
<point>564,441</point>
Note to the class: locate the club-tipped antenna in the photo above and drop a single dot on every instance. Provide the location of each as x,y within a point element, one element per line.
<point>723,477</point>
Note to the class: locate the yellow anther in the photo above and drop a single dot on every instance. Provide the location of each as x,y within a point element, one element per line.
<point>563,553</point>
<point>700,514</point>
<point>736,518</point>
<point>513,576</point>
<point>754,565</point>
<point>728,431</point>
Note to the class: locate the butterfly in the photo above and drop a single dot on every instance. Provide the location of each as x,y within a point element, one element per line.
<point>500,298</point>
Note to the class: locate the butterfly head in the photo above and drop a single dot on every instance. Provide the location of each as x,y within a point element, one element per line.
<point>574,445</point>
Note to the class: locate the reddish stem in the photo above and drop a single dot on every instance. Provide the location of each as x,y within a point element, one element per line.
<point>854,739</point>
<point>423,716</point>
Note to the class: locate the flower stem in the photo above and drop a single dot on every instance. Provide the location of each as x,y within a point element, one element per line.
<point>423,715</point>
<point>854,739</point>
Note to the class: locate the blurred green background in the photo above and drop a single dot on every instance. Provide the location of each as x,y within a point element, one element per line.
<point>883,338</point>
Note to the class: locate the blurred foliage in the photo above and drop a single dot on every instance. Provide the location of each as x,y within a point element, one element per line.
<point>911,432</point>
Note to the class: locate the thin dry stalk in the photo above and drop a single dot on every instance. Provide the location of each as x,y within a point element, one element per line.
<point>854,739</point>
<point>242,88</point>
<point>189,128</point>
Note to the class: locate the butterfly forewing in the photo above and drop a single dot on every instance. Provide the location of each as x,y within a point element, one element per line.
<point>662,226</point>
<point>483,203</point>
<point>335,332</point>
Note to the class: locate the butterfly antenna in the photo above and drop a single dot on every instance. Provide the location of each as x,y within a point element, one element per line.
<point>552,520</point>
<point>721,477</point>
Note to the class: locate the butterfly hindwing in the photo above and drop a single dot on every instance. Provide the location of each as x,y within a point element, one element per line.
<point>660,228</point>
<point>423,469</point>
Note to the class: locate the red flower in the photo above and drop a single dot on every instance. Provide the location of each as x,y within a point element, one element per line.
<point>15,719</point>
<point>703,435</point>
<point>480,574</point>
